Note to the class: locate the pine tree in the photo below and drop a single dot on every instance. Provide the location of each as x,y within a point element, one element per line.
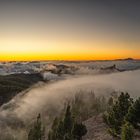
<point>127,132</point>
<point>133,115</point>
<point>68,121</point>
<point>115,115</point>
<point>79,130</point>
<point>110,101</point>
<point>53,132</point>
<point>37,132</point>
<point>67,128</point>
<point>60,131</point>
<point>61,128</point>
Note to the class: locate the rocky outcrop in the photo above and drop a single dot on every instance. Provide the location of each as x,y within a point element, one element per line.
<point>97,129</point>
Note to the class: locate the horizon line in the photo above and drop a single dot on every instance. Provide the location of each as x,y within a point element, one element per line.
<point>117,59</point>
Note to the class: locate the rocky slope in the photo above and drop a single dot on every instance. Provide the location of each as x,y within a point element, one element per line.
<point>97,130</point>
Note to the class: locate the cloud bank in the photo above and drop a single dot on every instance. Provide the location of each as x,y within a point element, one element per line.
<point>26,105</point>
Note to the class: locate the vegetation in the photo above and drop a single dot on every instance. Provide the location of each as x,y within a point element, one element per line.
<point>133,115</point>
<point>10,85</point>
<point>123,116</point>
<point>127,131</point>
<point>68,123</point>
<point>63,128</point>
<point>86,105</point>
<point>78,131</point>
<point>38,131</point>
<point>67,128</point>
<point>115,115</point>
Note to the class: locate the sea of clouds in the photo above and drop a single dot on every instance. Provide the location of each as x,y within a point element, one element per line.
<point>23,108</point>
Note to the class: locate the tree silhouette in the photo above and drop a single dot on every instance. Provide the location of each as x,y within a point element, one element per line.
<point>79,130</point>
<point>37,132</point>
<point>67,128</point>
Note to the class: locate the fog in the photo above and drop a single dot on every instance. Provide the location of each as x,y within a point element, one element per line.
<point>39,99</point>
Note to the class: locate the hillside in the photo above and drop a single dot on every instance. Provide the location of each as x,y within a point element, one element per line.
<point>10,85</point>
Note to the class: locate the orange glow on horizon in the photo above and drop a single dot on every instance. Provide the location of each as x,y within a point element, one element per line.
<point>66,56</point>
<point>30,49</point>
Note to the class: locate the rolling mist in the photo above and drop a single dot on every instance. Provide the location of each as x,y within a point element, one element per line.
<point>19,113</point>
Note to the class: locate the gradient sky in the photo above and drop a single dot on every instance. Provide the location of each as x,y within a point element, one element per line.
<point>69,30</point>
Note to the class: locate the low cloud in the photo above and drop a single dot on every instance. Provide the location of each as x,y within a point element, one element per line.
<point>26,105</point>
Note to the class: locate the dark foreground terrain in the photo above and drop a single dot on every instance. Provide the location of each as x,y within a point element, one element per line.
<point>10,85</point>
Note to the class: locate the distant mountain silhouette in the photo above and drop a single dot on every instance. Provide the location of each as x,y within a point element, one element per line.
<point>126,59</point>
<point>111,69</point>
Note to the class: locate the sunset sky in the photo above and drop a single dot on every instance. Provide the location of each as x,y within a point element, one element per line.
<point>69,29</point>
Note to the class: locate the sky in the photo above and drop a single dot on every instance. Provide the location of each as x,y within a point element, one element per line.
<point>69,29</point>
